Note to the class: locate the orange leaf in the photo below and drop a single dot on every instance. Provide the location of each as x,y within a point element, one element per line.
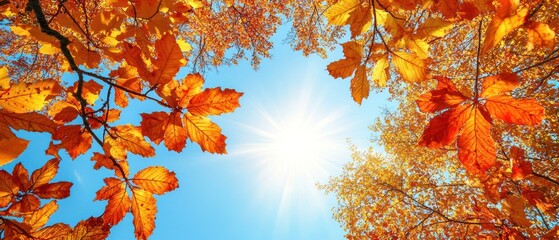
<point>34,122</point>
<point>360,85</point>
<point>214,101</point>
<point>39,217</point>
<point>144,210</point>
<point>540,34</point>
<point>20,176</point>
<point>520,168</point>
<point>127,138</point>
<point>445,96</point>
<point>206,133</point>
<point>360,20</point>
<point>11,148</point>
<point>498,84</point>
<point>8,189</point>
<point>44,174</point>
<point>157,180</point>
<point>444,128</point>
<point>56,231</point>
<point>353,52</point>
<point>410,66</point>
<point>505,21</point>
<point>73,138</point>
<point>516,111</point>
<point>153,125</point>
<point>90,229</point>
<point>56,190</point>
<point>118,200</point>
<point>538,199</point>
<point>169,60</point>
<point>476,148</point>
<point>24,97</point>
<point>175,133</point>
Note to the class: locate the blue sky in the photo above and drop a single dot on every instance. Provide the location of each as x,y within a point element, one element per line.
<point>250,193</point>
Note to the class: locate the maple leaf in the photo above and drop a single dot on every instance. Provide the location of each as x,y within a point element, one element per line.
<point>353,52</point>
<point>507,19</point>
<point>156,180</point>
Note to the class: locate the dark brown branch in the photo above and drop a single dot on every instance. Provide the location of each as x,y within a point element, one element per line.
<point>477,61</point>
<point>35,5</point>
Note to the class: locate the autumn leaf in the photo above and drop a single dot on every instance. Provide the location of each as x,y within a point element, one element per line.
<point>444,128</point>
<point>73,138</point>
<point>353,52</point>
<point>28,97</point>
<point>161,126</point>
<point>434,27</point>
<point>143,210</point>
<point>540,34</point>
<point>380,71</point>
<point>520,168</point>
<point>506,20</point>
<point>127,138</point>
<point>118,200</point>
<point>8,189</point>
<point>38,218</point>
<point>206,133</point>
<point>359,85</point>
<point>156,180</point>
<point>4,78</point>
<point>214,101</point>
<point>445,96</point>
<point>90,229</point>
<point>340,12</point>
<point>169,60</point>
<point>410,67</point>
<point>475,143</point>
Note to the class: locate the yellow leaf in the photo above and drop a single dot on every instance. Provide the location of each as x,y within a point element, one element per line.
<point>359,85</point>
<point>419,47</point>
<point>410,67</point>
<point>436,27</point>
<point>24,97</point>
<point>503,23</point>
<point>4,79</point>
<point>380,71</point>
<point>39,218</point>
<point>360,20</point>
<point>184,46</point>
<point>339,12</point>
<point>143,210</point>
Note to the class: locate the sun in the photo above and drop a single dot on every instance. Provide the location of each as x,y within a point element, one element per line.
<point>295,145</point>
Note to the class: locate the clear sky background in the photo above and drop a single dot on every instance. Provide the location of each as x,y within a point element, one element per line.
<point>258,190</point>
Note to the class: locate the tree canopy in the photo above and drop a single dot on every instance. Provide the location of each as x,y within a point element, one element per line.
<point>471,150</point>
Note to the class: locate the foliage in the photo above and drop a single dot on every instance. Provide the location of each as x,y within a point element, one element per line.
<point>495,64</point>
<point>488,120</point>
